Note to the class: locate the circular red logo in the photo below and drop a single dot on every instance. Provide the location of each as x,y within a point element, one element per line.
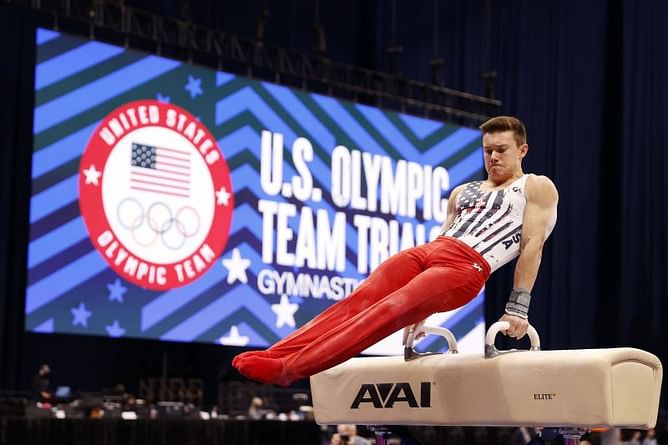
<point>155,194</point>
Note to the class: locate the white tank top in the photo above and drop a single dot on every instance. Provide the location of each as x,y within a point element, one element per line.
<point>491,221</point>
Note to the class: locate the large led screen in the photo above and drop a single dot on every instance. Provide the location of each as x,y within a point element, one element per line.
<point>175,202</point>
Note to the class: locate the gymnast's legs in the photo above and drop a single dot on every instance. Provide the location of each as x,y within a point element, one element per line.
<point>408,287</point>
<point>399,270</point>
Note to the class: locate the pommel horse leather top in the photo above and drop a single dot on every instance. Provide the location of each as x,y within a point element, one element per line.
<point>582,388</point>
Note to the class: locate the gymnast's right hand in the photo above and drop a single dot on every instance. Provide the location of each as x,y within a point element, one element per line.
<point>518,326</point>
<point>409,329</point>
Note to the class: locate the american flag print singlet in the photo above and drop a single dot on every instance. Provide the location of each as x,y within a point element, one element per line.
<point>491,221</point>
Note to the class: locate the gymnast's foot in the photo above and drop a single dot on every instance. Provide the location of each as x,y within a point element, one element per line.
<point>263,369</point>
<point>244,355</point>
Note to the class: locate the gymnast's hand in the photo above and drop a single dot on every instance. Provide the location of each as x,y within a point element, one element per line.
<point>413,327</point>
<point>518,326</point>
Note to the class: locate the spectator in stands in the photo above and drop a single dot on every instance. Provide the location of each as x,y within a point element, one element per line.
<point>524,435</point>
<point>41,386</point>
<point>348,435</point>
<point>120,395</point>
<point>650,438</point>
<point>256,410</point>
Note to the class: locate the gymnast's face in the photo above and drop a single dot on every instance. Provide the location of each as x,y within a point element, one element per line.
<point>503,156</point>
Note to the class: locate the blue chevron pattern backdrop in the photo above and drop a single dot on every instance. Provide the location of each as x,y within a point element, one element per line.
<point>322,189</point>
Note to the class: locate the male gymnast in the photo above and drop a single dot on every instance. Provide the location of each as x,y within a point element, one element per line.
<point>489,223</point>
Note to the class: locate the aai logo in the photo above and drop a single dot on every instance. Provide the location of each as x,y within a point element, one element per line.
<point>155,194</point>
<point>386,395</point>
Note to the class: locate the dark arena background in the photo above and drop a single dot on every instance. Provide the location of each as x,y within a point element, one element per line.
<point>186,180</point>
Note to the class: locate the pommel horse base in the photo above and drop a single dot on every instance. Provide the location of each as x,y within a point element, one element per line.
<point>573,390</point>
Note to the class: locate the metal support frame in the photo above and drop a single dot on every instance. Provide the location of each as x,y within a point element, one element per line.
<point>382,434</point>
<point>115,22</point>
<point>572,436</point>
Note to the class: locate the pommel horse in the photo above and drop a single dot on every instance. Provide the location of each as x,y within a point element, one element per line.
<point>572,390</point>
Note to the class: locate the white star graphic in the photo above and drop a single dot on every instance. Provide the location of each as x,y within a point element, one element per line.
<point>285,312</point>
<point>115,329</point>
<point>81,315</point>
<point>163,99</point>
<point>234,339</point>
<point>223,196</point>
<point>92,175</point>
<point>236,267</point>
<point>116,291</point>
<point>194,86</point>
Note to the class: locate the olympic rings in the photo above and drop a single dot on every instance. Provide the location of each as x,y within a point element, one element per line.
<point>128,212</point>
<point>158,222</point>
<point>166,209</point>
<point>134,235</point>
<point>194,214</point>
<point>165,239</point>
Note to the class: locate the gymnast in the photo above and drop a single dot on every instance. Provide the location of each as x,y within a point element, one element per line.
<point>489,223</point>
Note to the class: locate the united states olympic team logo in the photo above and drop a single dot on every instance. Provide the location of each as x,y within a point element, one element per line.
<point>155,194</point>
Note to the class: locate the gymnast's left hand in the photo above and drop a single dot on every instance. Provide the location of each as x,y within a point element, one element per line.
<point>414,327</point>
<point>518,326</point>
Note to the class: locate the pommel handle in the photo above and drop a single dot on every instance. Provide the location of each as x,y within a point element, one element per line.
<point>490,349</point>
<point>410,353</point>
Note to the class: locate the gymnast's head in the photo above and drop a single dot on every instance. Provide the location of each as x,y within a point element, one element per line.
<point>504,143</point>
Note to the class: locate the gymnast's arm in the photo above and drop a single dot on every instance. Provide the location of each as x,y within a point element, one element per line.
<point>452,207</point>
<point>452,211</point>
<point>540,216</point>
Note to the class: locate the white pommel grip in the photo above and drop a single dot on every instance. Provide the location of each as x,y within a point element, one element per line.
<point>490,349</point>
<point>409,352</point>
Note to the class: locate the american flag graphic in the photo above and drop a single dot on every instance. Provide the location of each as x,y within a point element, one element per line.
<point>160,170</point>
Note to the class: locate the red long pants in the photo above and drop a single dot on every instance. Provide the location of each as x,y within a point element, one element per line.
<point>406,288</point>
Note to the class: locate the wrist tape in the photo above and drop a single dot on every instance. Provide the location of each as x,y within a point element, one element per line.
<point>518,303</point>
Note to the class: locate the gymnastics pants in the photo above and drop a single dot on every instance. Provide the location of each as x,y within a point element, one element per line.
<point>439,276</point>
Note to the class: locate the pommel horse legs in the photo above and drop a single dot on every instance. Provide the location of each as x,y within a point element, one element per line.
<point>572,390</point>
